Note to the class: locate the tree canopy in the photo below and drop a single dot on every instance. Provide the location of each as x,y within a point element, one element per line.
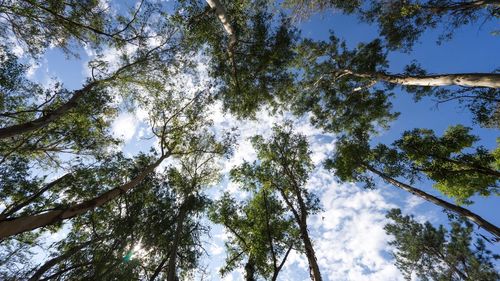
<point>186,83</point>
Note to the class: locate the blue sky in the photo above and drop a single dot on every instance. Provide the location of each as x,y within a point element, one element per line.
<point>348,234</point>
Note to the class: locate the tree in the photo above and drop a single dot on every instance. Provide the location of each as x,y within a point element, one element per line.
<point>457,173</point>
<point>198,170</point>
<point>437,253</point>
<point>260,231</point>
<point>401,23</point>
<point>111,242</point>
<point>354,159</point>
<point>334,74</point>
<point>36,25</point>
<point>284,166</point>
<point>176,122</point>
<point>250,51</point>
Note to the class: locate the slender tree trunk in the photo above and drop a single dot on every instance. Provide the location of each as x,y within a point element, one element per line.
<point>172,268</point>
<point>224,19</point>
<point>301,220</point>
<point>278,269</point>
<point>488,80</point>
<point>310,254</point>
<point>158,269</point>
<point>50,263</point>
<point>14,226</point>
<point>250,270</point>
<point>49,117</point>
<point>448,206</point>
<point>60,272</point>
<point>18,206</point>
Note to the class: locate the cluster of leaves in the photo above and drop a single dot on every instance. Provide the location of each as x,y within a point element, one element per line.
<point>438,254</point>
<point>129,222</point>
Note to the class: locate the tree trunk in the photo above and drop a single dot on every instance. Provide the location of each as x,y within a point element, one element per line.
<point>488,80</point>
<point>18,225</point>
<point>49,117</point>
<point>69,105</point>
<point>448,206</point>
<point>250,270</point>
<point>158,269</point>
<point>18,206</point>
<point>224,19</point>
<point>172,268</point>
<point>50,263</point>
<point>310,254</point>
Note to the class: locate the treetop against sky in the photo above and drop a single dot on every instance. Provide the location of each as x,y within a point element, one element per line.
<point>249,140</point>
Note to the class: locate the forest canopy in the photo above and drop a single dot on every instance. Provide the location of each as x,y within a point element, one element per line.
<point>249,140</point>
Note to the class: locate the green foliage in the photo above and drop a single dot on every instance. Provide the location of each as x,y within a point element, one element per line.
<point>457,173</point>
<point>439,254</point>
<point>401,23</point>
<point>458,170</point>
<point>36,25</point>
<point>255,71</point>
<point>340,102</point>
<point>84,130</point>
<point>260,230</point>
<point>283,168</point>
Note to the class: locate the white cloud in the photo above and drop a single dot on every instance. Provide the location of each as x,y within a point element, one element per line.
<point>350,241</point>
<point>125,126</point>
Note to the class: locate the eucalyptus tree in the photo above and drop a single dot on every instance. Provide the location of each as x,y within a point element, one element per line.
<point>196,171</point>
<point>437,253</point>
<point>83,131</point>
<point>401,23</point>
<point>103,242</point>
<point>37,25</point>
<point>145,234</point>
<point>261,232</point>
<point>333,74</point>
<point>249,48</point>
<point>283,168</point>
<point>443,162</point>
<point>176,120</point>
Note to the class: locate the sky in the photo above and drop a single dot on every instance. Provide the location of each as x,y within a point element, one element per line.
<point>348,234</point>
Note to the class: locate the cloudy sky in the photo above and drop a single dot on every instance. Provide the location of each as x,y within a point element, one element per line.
<point>348,235</point>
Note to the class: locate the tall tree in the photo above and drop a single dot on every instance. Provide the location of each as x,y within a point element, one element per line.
<point>260,231</point>
<point>354,160</point>
<point>437,253</point>
<point>284,166</point>
<point>177,125</point>
<point>197,171</point>
<point>333,73</point>
<point>250,50</point>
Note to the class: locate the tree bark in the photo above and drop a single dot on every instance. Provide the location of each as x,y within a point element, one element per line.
<point>172,268</point>
<point>49,117</point>
<point>487,80</point>
<point>158,269</point>
<point>224,19</point>
<point>250,270</point>
<point>18,206</point>
<point>491,228</point>
<point>18,225</point>
<point>310,254</point>
<point>50,263</point>
<point>463,6</point>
